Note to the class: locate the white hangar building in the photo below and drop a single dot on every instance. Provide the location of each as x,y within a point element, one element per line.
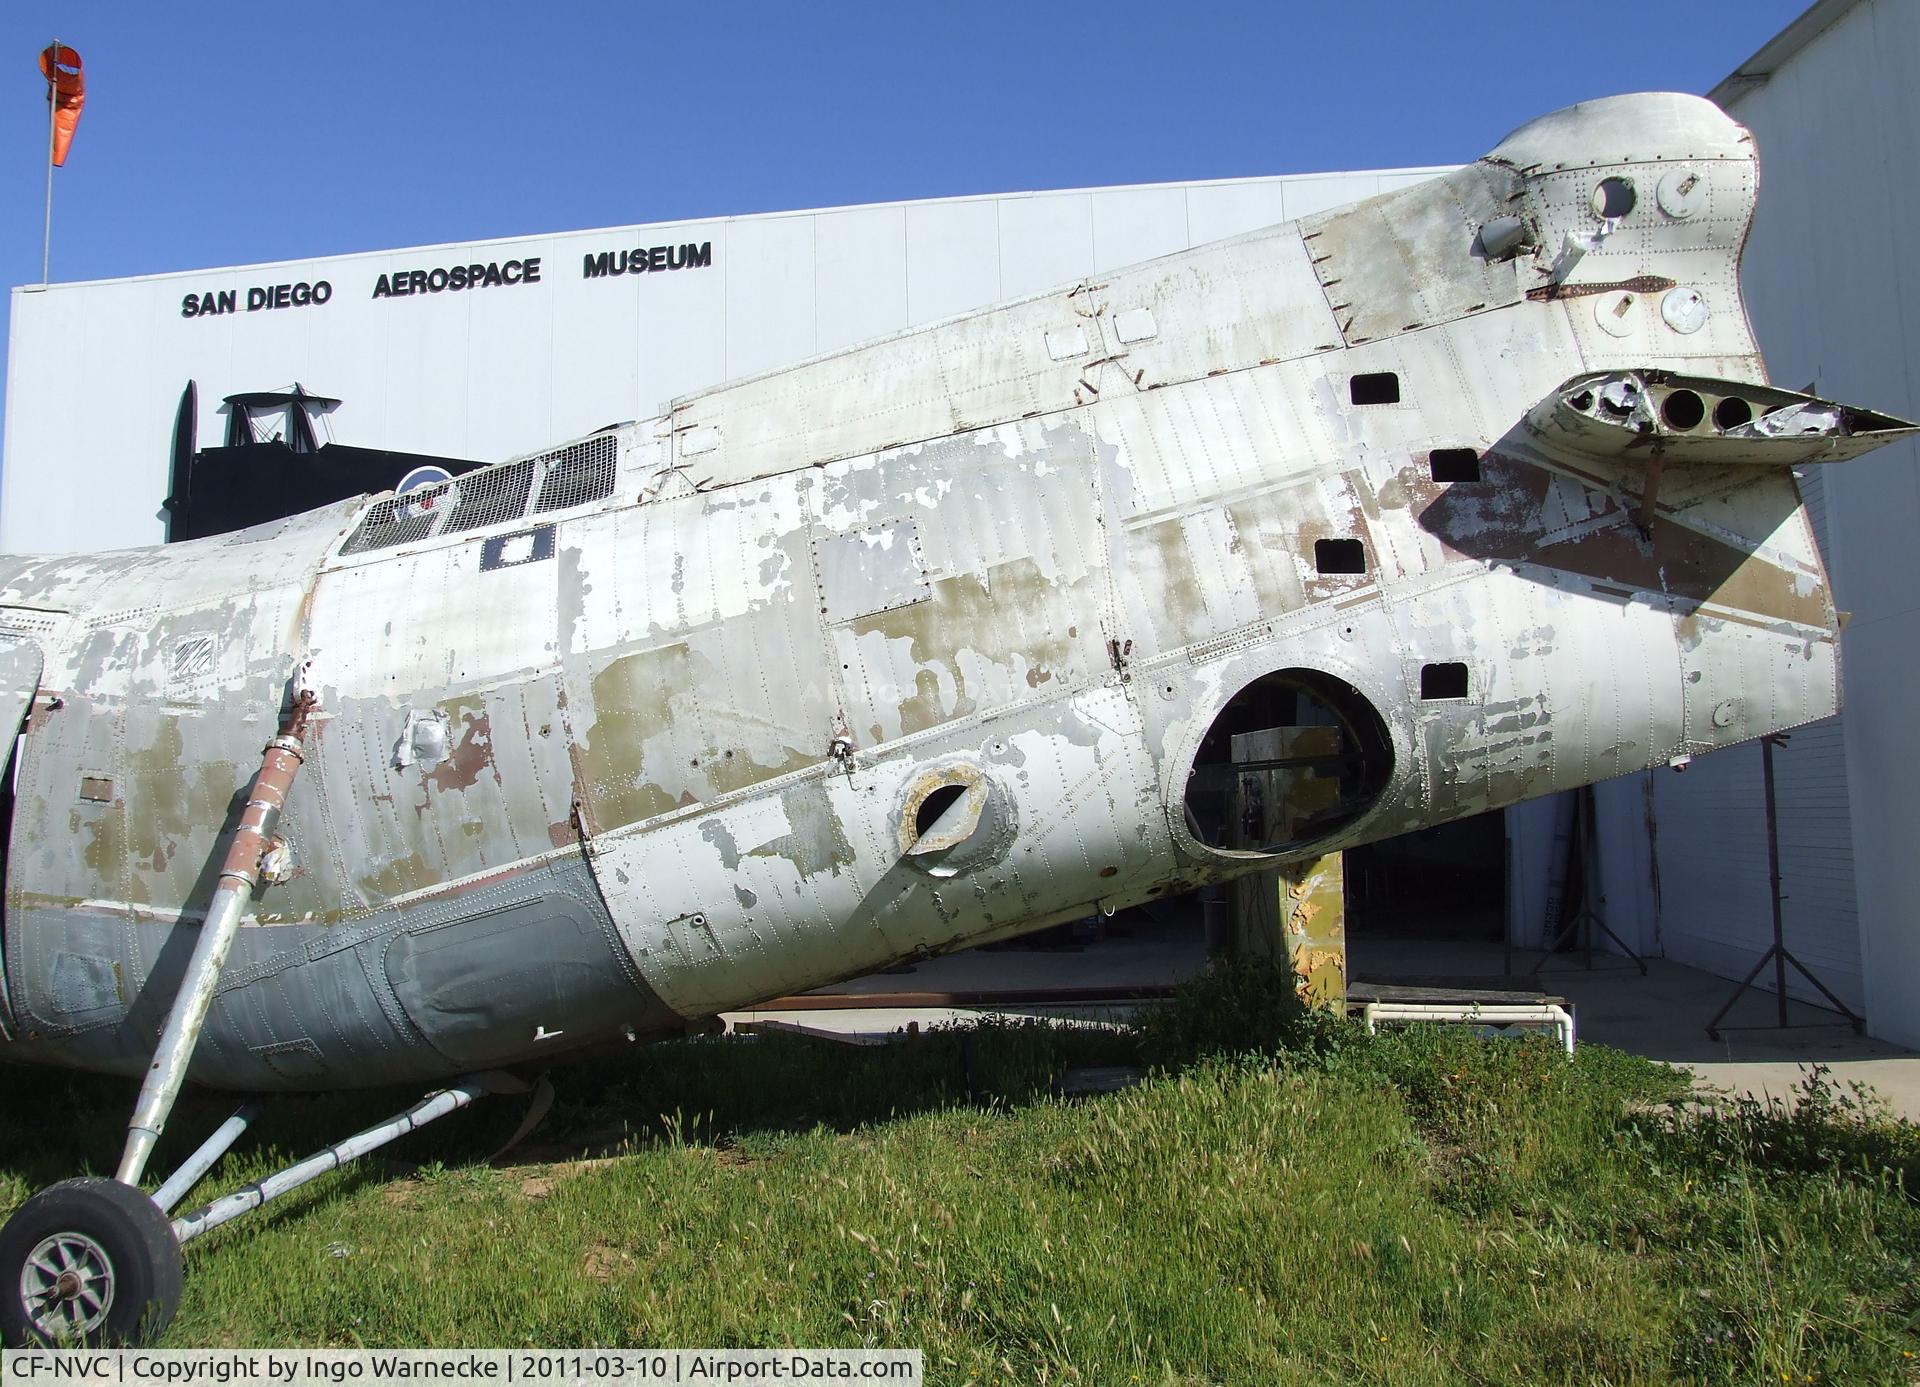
<point>492,349</point>
<point>555,336</point>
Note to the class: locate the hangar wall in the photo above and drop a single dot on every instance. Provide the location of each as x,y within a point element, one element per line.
<point>562,334</point>
<point>1834,297</point>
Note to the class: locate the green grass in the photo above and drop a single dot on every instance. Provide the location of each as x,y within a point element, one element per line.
<point>1284,1200</point>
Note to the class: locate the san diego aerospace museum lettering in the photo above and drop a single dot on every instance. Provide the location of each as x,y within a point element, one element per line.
<point>439,279</point>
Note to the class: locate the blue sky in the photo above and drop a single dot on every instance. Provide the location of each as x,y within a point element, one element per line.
<point>218,134</point>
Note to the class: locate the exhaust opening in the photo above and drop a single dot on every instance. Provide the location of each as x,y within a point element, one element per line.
<point>1295,756</point>
<point>1683,410</point>
<point>1731,413</point>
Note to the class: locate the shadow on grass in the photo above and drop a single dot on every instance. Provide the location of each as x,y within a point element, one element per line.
<point>1284,1192</point>
<point>715,1091</point>
<point>757,1089</point>
<point>712,1090</point>
<point>753,1091</point>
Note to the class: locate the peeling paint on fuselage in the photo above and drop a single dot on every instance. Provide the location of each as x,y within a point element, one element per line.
<point>665,731</point>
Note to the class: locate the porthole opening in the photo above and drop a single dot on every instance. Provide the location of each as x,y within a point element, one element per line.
<point>1731,413</point>
<point>952,820</point>
<point>1613,197</point>
<point>1683,410</point>
<point>937,802</point>
<point>1293,757</point>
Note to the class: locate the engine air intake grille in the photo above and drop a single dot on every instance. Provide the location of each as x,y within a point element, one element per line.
<point>570,476</point>
<point>580,473</point>
<point>399,519</point>
<point>490,496</point>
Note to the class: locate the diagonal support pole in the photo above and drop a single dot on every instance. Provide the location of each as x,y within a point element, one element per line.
<point>239,878</point>
<point>200,1162</point>
<point>429,1109</point>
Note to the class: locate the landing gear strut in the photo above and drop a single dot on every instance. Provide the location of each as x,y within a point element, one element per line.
<point>97,1262</point>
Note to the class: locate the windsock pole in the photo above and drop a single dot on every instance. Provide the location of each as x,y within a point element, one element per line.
<point>53,111</point>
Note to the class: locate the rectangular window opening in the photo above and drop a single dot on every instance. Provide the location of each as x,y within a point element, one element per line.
<point>1448,680</point>
<point>1339,556</point>
<point>1374,388</point>
<point>1455,464</point>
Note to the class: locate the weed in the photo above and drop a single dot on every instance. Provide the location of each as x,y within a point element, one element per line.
<point>1284,1200</point>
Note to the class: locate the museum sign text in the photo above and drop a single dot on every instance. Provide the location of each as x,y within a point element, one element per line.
<point>440,279</point>
<point>646,259</point>
<point>444,277</point>
<point>215,302</point>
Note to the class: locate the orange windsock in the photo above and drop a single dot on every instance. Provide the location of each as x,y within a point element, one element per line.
<point>67,90</point>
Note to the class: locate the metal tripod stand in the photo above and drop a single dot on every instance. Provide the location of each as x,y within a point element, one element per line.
<point>1582,924</point>
<point>1777,953</point>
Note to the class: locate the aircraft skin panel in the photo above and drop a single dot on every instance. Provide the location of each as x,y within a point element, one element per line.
<point>935,640</point>
<point>1235,305</point>
<point>20,667</point>
<point>741,903</point>
<point>306,1007</point>
<point>1391,265</point>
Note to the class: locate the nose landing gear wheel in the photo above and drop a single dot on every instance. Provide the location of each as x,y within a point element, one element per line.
<point>90,1262</point>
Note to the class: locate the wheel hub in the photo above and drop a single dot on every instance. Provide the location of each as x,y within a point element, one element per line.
<point>67,1285</point>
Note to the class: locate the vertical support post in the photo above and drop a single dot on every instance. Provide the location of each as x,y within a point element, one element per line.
<point>1777,953</point>
<point>1296,913</point>
<point>1589,877</point>
<point>239,876</point>
<point>1315,897</point>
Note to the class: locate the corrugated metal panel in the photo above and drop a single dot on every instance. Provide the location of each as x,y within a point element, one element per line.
<point>859,275</point>
<point>1044,241</point>
<point>1135,224</point>
<point>770,286</point>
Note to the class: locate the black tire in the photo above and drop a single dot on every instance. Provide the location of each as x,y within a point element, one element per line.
<point>121,1263</point>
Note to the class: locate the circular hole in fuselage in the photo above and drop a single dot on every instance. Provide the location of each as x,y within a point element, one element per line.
<point>1318,752</point>
<point>1612,197</point>
<point>1683,409</point>
<point>937,802</point>
<point>1731,413</point>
